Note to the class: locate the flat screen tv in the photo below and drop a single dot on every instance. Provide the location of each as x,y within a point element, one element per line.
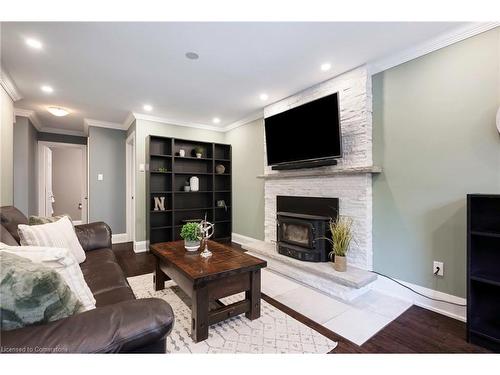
<point>308,132</point>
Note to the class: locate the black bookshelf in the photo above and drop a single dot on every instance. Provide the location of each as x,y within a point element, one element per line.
<point>166,177</point>
<point>483,270</point>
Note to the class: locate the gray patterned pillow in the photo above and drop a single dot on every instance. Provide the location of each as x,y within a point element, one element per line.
<point>37,220</point>
<point>31,293</point>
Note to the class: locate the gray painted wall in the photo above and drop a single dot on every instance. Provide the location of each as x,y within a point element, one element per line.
<point>434,135</point>
<point>67,181</point>
<point>6,149</point>
<point>107,156</point>
<point>248,190</point>
<point>25,167</point>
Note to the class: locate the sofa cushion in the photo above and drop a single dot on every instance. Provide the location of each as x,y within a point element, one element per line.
<point>99,256</point>
<point>62,261</point>
<point>114,296</point>
<point>32,293</point>
<point>57,234</point>
<point>10,218</point>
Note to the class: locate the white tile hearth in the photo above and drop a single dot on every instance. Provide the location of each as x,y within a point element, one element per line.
<point>357,320</point>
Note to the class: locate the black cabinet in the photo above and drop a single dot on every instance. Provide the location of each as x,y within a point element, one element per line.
<point>483,270</point>
<point>167,175</point>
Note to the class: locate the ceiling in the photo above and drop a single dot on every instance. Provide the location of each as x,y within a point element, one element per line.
<point>104,71</point>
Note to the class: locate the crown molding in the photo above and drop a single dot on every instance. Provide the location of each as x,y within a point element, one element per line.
<point>245,120</point>
<point>8,84</point>
<point>444,40</point>
<point>31,115</point>
<point>141,116</point>
<point>101,124</point>
<point>128,121</point>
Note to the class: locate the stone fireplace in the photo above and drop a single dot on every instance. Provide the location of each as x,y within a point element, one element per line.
<point>302,226</point>
<point>350,181</point>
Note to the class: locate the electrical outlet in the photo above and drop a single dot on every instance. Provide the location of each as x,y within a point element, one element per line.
<point>438,268</point>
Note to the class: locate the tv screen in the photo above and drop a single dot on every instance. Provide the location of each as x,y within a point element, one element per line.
<point>307,132</point>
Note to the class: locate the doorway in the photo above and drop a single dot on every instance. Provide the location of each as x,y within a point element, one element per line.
<point>62,180</point>
<point>130,187</point>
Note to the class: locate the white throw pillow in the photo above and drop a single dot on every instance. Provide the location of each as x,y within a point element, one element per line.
<point>58,234</point>
<point>63,262</point>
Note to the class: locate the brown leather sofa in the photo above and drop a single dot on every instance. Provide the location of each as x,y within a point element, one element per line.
<point>119,323</point>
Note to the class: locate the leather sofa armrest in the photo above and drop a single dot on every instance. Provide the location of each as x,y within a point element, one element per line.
<point>94,235</point>
<point>122,327</point>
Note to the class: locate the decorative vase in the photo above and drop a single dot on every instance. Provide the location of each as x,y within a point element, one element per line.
<point>198,155</point>
<point>191,245</point>
<point>194,182</point>
<point>187,188</point>
<point>182,153</point>
<point>340,264</point>
<point>220,169</point>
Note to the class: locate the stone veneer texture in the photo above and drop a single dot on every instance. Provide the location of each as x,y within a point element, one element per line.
<point>355,190</point>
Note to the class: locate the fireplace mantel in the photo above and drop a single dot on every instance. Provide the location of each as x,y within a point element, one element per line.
<point>321,172</point>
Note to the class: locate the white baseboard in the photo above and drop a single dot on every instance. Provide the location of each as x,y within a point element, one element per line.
<point>141,246</point>
<point>389,287</point>
<point>241,239</point>
<point>119,238</point>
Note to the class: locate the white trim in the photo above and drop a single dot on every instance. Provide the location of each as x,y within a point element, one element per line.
<point>101,124</point>
<point>130,186</point>
<point>9,86</point>
<point>389,287</point>
<point>128,121</point>
<point>444,40</point>
<point>164,120</point>
<point>245,120</point>
<point>119,238</point>
<point>141,246</point>
<point>29,114</point>
<point>241,239</point>
<point>78,222</point>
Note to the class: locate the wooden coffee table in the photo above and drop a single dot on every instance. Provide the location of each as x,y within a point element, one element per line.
<point>228,271</point>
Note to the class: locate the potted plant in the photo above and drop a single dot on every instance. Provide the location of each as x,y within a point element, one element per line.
<point>341,231</point>
<point>198,150</point>
<point>191,234</point>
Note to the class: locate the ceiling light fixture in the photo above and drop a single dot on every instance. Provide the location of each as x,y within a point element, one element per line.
<point>58,111</point>
<point>192,55</point>
<point>216,120</point>
<point>47,89</point>
<point>326,66</point>
<point>33,43</point>
<point>147,107</point>
<point>263,96</point>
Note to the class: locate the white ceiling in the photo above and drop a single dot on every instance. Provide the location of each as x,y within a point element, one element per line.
<point>104,71</point>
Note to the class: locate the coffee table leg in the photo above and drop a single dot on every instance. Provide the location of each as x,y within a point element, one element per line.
<point>254,296</point>
<point>160,277</point>
<point>199,314</point>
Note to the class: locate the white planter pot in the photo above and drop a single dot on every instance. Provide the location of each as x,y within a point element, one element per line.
<point>191,245</point>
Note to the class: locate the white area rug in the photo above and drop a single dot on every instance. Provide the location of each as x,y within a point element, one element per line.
<point>273,332</point>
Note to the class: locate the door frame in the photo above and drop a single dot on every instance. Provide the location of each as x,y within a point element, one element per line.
<point>41,177</point>
<point>130,159</point>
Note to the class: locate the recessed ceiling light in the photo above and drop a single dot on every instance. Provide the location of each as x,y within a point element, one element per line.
<point>326,66</point>
<point>33,43</point>
<point>58,111</point>
<point>192,55</point>
<point>216,120</point>
<point>147,107</point>
<point>47,89</point>
<point>263,96</point>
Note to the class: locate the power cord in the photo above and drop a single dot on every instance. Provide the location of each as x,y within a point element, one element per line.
<point>420,294</point>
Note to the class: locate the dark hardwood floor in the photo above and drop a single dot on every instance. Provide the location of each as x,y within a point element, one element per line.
<point>417,330</point>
